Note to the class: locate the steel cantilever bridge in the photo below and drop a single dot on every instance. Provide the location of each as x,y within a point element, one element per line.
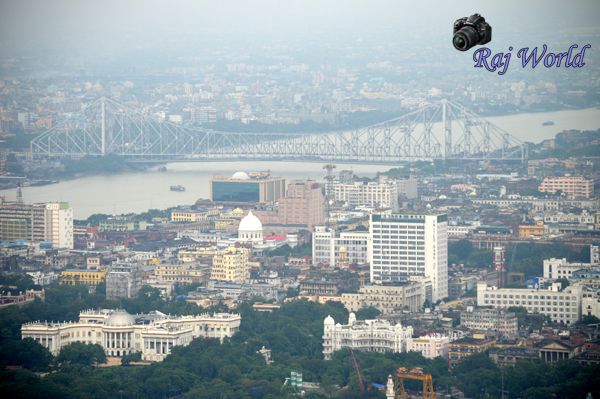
<point>442,130</point>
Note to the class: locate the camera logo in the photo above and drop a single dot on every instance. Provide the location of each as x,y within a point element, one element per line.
<point>470,31</point>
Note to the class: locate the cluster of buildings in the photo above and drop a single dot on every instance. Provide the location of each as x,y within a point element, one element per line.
<point>366,243</point>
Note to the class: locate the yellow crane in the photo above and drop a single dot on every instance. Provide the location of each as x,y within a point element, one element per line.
<point>414,374</point>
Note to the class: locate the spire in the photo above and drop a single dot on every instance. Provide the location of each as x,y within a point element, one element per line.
<point>389,388</point>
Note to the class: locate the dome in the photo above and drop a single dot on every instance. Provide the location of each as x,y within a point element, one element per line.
<point>240,176</point>
<point>119,318</point>
<point>329,321</point>
<point>250,223</point>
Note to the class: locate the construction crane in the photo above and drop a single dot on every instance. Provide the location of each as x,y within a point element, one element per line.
<point>414,374</point>
<point>359,380</point>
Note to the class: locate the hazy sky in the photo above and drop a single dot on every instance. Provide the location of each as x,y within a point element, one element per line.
<point>119,24</point>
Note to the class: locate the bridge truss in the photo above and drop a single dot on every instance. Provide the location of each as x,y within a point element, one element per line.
<point>442,130</point>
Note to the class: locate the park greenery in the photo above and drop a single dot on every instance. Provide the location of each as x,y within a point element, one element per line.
<point>234,369</point>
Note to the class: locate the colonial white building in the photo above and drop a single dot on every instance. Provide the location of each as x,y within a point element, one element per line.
<point>409,245</point>
<point>368,335</point>
<point>250,229</point>
<point>561,306</point>
<point>339,250</point>
<point>119,333</point>
<point>430,346</point>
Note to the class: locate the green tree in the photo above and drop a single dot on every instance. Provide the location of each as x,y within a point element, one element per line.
<point>367,313</point>
<point>81,354</point>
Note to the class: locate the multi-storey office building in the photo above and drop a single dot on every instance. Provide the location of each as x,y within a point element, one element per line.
<point>387,298</point>
<point>231,264</point>
<point>573,186</point>
<point>404,246</point>
<point>303,205</point>
<point>337,250</point>
<point>44,222</point>
<point>372,194</point>
<point>242,187</point>
<point>497,320</point>
<point>561,306</point>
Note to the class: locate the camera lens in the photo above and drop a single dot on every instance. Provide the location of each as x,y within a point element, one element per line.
<point>465,38</point>
<point>459,42</point>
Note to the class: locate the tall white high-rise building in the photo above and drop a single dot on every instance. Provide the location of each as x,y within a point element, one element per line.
<point>43,222</point>
<point>406,246</point>
<point>59,224</point>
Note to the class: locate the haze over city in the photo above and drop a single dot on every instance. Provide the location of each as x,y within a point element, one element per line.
<point>277,199</point>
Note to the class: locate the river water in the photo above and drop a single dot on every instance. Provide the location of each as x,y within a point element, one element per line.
<point>140,191</point>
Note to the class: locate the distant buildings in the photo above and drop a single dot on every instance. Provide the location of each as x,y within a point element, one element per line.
<point>405,246</point>
<point>82,276</point>
<point>242,187</point>
<point>50,222</point>
<point>303,205</point>
<point>573,186</point>
<point>465,347</point>
<point>122,223</point>
<point>560,268</point>
<point>369,335</point>
<point>561,306</point>
<point>372,194</point>
<point>430,345</point>
<point>333,249</point>
<point>387,298</point>
<point>153,335</point>
<point>124,280</point>
<point>231,265</point>
<point>496,320</point>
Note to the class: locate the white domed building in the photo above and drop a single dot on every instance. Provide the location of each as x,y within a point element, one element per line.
<point>250,229</point>
<point>120,333</point>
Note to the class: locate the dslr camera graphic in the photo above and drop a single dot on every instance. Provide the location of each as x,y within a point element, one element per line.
<point>471,31</point>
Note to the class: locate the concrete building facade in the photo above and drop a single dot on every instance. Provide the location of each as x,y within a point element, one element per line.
<point>303,205</point>
<point>333,249</point>
<point>404,246</point>
<point>561,306</point>
<point>387,298</point>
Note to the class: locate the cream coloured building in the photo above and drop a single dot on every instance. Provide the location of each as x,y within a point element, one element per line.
<point>386,298</point>
<point>573,186</point>
<point>373,194</point>
<point>561,306</point>
<point>231,264</point>
<point>153,335</point>
<point>369,335</point>
<point>430,346</point>
<point>182,273</point>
